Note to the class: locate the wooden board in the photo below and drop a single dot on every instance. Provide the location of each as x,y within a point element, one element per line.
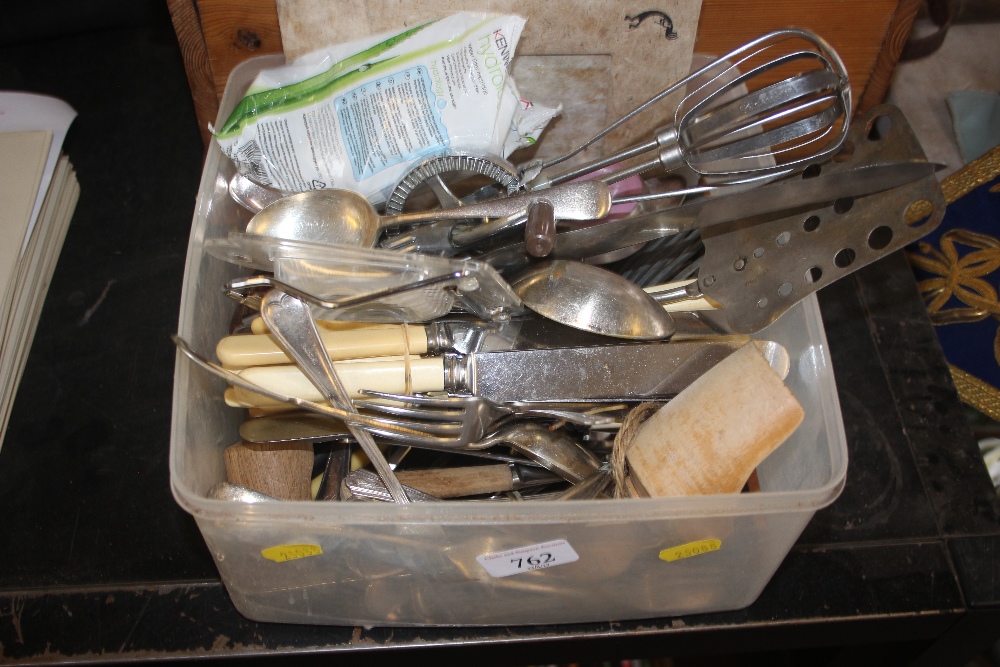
<point>868,34</point>
<point>608,52</point>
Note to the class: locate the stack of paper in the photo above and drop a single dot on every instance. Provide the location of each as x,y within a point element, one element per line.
<point>38,194</point>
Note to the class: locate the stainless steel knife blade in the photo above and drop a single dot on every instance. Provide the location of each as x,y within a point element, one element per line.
<point>538,333</point>
<point>651,370</point>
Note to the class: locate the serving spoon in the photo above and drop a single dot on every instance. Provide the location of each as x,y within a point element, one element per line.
<point>595,299</point>
<point>592,299</point>
<point>346,217</point>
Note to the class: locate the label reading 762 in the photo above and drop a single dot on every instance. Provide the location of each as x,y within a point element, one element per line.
<point>526,559</point>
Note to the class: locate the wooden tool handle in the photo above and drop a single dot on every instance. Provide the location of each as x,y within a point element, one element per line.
<point>426,374</point>
<point>711,437</point>
<point>282,471</point>
<point>246,350</point>
<point>456,482</point>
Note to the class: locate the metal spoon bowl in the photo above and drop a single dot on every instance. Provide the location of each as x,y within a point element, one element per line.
<point>322,216</point>
<point>593,299</point>
<point>551,449</point>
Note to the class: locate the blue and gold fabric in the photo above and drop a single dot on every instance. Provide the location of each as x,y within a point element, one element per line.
<point>958,274</point>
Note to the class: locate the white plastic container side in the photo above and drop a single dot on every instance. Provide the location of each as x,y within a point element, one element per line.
<point>382,564</point>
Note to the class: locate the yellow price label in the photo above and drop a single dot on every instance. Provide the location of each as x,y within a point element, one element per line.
<point>284,552</point>
<point>690,549</point>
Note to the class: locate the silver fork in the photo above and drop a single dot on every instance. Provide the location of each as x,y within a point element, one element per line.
<point>408,432</point>
<point>469,418</point>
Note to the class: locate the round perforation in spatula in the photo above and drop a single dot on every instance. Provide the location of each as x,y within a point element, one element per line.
<point>756,269</point>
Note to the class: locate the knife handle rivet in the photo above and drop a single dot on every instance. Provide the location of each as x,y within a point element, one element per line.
<point>709,281</point>
<point>740,264</point>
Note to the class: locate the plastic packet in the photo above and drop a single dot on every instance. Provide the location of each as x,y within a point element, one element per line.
<point>335,272</point>
<point>529,120</point>
<point>359,115</point>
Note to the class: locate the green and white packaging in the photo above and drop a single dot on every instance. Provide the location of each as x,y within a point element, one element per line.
<point>360,115</point>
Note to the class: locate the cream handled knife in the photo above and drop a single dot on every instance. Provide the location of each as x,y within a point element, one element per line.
<point>606,372</point>
<point>382,340</point>
<point>240,351</point>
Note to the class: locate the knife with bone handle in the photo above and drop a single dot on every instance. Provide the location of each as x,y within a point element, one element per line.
<point>606,372</point>
<point>455,335</point>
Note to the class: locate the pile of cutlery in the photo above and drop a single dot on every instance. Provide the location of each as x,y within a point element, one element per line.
<point>479,351</point>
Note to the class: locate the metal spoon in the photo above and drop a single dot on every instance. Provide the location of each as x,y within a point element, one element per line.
<point>346,217</point>
<point>552,449</point>
<point>593,299</point>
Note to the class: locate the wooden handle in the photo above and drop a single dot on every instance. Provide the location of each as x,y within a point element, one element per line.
<point>246,350</point>
<point>282,471</point>
<point>712,436</point>
<point>426,374</point>
<point>456,482</point>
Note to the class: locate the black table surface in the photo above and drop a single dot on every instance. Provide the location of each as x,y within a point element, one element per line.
<point>98,562</point>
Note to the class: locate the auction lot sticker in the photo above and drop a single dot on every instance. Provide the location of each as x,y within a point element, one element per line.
<point>526,559</point>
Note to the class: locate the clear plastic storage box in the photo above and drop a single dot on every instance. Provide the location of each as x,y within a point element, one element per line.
<point>382,564</point>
